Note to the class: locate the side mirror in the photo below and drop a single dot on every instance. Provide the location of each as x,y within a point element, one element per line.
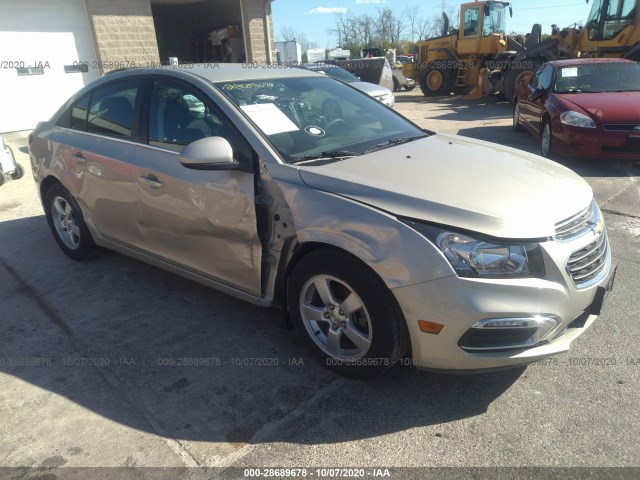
<point>210,153</point>
<point>538,92</point>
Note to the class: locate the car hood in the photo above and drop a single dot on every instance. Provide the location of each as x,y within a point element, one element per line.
<point>371,88</point>
<point>459,182</point>
<point>610,107</point>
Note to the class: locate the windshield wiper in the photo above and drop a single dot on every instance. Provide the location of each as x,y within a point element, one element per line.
<point>327,154</point>
<point>394,141</point>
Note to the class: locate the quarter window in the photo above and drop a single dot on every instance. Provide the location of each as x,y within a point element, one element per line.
<point>79,114</point>
<point>111,111</point>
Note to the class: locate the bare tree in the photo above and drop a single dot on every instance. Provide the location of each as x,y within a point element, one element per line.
<point>288,34</point>
<point>413,16</point>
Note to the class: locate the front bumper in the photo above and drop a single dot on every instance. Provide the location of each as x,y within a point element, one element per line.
<point>596,143</point>
<point>458,303</point>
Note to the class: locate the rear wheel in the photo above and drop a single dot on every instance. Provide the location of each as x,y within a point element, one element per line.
<point>513,78</point>
<point>396,85</point>
<point>546,140</point>
<point>345,314</point>
<point>436,82</point>
<point>516,117</point>
<point>67,223</point>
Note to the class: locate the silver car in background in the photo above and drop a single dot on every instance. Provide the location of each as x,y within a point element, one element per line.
<point>379,92</point>
<point>381,240</point>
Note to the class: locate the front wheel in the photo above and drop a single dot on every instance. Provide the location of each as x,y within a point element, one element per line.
<point>19,173</point>
<point>436,82</point>
<point>67,223</point>
<point>345,314</point>
<point>546,140</point>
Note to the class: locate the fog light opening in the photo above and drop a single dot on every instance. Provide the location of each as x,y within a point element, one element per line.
<point>507,333</point>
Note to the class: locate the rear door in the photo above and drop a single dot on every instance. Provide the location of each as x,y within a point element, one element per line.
<point>97,149</point>
<point>201,220</point>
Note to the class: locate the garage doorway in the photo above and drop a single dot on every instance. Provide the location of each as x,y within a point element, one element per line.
<point>199,31</point>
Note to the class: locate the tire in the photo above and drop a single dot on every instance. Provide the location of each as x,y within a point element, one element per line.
<point>3,178</point>
<point>436,82</point>
<point>345,315</point>
<point>408,88</point>
<point>67,223</point>
<point>517,126</point>
<point>19,173</point>
<point>396,85</point>
<point>512,79</point>
<point>546,140</point>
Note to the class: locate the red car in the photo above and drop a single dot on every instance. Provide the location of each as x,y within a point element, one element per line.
<point>586,108</point>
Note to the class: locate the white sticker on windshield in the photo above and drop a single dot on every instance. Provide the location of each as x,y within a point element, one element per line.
<point>269,118</point>
<point>569,72</point>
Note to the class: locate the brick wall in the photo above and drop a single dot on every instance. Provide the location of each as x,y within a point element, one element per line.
<point>258,40</point>
<point>123,31</point>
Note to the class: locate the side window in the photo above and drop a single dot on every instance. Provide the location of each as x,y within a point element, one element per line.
<point>544,79</point>
<point>471,16</point>
<point>79,114</point>
<point>179,115</point>
<point>533,83</point>
<point>111,111</point>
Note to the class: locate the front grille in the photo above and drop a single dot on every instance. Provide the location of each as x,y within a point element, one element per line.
<point>578,224</point>
<point>589,262</point>
<point>621,127</point>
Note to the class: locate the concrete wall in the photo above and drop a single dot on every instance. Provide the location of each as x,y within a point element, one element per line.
<point>123,32</point>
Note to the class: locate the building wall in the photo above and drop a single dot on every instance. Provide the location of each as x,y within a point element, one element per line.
<point>258,30</point>
<point>124,33</point>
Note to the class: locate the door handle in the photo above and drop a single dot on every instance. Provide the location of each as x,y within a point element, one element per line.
<point>151,181</point>
<point>78,157</point>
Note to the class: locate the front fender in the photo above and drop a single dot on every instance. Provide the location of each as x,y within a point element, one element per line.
<point>396,252</point>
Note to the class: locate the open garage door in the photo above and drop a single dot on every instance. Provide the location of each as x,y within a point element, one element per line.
<point>198,31</point>
<point>42,44</point>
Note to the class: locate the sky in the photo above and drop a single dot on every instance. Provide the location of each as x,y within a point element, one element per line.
<point>316,17</point>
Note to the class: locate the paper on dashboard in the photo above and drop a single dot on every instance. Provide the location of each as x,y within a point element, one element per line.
<point>269,118</point>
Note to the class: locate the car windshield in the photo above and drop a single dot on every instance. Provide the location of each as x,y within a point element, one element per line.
<point>310,118</point>
<point>598,77</point>
<point>336,72</point>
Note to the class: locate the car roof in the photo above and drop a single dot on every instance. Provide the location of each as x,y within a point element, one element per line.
<point>584,61</point>
<point>226,72</point>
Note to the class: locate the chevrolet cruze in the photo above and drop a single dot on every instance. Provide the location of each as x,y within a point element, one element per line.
<point>382,241</point>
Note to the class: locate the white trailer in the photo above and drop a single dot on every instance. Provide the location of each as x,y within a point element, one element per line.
<point>289,53</point>
<point>316,55</point>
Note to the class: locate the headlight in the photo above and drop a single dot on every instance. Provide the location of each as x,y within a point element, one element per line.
<point>471,256</point>
<point>575,119</point>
